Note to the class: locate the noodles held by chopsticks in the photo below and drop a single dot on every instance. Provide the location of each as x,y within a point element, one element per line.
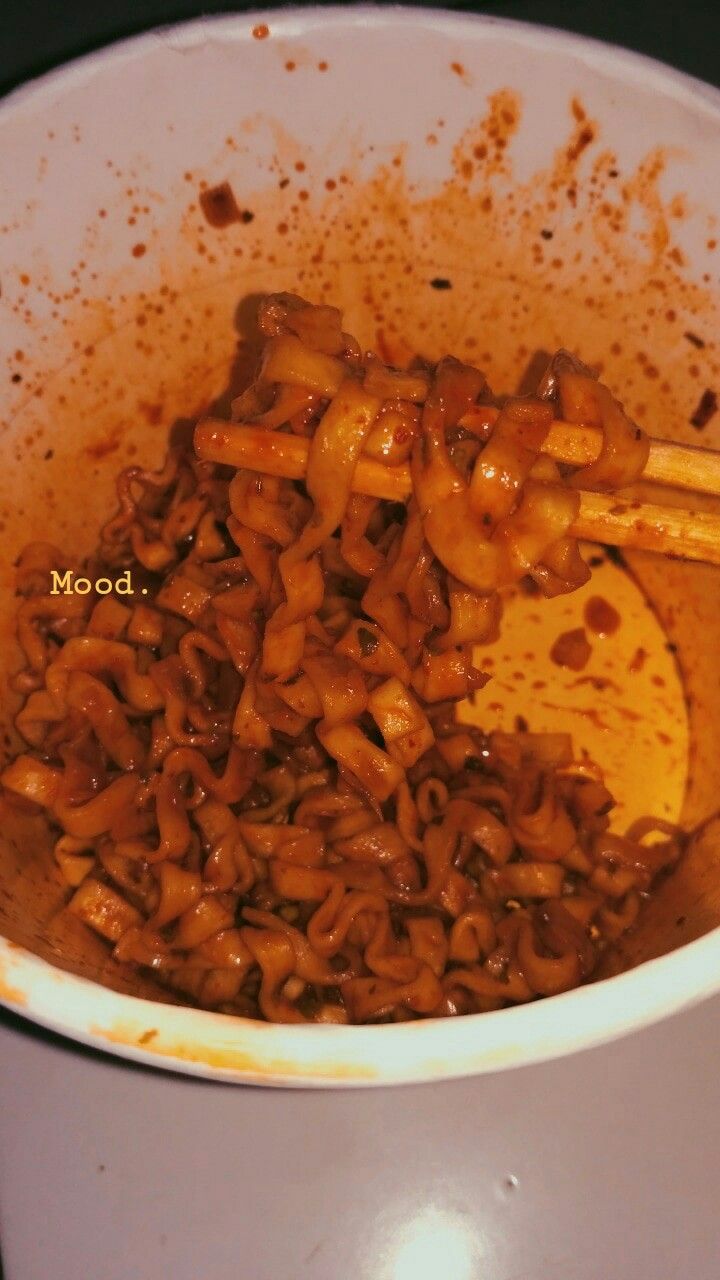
<point>258,783</point>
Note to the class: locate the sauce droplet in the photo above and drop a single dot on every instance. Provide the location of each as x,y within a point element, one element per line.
<point>571,649</point>
<point>601,617</point>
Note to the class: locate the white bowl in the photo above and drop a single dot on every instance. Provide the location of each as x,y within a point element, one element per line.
<point>120,300</point>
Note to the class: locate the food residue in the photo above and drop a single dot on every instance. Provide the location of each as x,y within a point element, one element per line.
<point>601,617</point>
<point>261,31</point>
<point>707,407</point>
<point>572,649</point>
<point>220,206</point>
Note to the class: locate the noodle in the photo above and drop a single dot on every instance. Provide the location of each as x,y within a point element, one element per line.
<point>252,765</point>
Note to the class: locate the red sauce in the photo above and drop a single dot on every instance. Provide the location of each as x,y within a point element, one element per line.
<point>261,31</point>
<point>601,617</point>
<point>138,250</point>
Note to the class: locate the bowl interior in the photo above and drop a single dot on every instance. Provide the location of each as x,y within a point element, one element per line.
<point>454,185</point>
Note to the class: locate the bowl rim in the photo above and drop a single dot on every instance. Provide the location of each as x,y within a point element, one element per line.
<point>291,20</point>
<point>224,1047</point>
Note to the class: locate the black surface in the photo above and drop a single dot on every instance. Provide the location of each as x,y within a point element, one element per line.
<point>38,34</point>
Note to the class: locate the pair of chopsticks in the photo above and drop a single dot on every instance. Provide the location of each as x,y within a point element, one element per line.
<point>645,526</point>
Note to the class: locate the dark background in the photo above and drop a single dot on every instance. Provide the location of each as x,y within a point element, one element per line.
<point>37,34</point>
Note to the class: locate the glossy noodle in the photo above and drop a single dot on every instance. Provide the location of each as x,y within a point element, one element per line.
<point>257,782</point>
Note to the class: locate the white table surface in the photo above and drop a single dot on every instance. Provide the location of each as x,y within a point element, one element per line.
<point>603,1166</point>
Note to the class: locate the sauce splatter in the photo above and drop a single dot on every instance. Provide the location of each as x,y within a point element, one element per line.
<point>638,660</point>
<point>261,31</point>
<point>600,684</point>
<point>572,649</point>
<point>601,617</point>
<point>102,448</point>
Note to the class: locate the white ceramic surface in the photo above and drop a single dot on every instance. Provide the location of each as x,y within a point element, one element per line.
<point>161,104</point>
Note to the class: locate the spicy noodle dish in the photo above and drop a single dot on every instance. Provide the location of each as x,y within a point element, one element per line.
<point>249,749</point>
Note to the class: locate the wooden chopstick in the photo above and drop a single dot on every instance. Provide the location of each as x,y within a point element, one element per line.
<point>677,465</point>
<point>258,449</point>
<point>674,531</point>
<point>647,526</point>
